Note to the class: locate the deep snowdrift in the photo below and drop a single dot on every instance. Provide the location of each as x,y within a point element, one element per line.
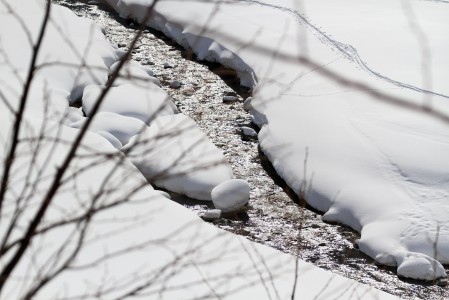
<point>345,119</point>
<point>117,237</point>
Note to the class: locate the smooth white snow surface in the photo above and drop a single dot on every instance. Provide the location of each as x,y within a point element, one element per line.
<point>141,102</point>
<point>334,83</point>
<point>231,195</point>
<point>121,127</point>
<point>137,243</point>
<point>175,154</point>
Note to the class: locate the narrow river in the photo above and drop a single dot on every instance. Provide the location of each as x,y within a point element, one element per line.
<point>274,217</point>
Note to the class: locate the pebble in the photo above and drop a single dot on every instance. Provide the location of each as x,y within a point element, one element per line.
<point>168,66</point>
<point>442,282</point>
<point>212,214</point>
<point>175,84</point>
<point>231,195</point>
<point>249,132</point>
<point>229,99</point>
<point>247,104</point>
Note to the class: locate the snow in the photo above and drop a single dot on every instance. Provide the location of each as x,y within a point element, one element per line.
<point>248,131</point>
<point>141,102</point>
<point>231,195</point>
<point>139,243</point>
<point>339,91</point>
<point>188,164</point>
<point>121,127</point>
<point>134,73</point>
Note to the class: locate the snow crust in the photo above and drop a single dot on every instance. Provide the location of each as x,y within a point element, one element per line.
<point>136,242</point>
<point>339,96</point>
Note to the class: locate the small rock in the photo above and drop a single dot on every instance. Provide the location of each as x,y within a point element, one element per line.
<point>249,132</point>
<point>93,2</point>
<point>168,66</point>
<point>247,104</point>
<point>121,45</point>
<point>175,84</point>
<point>231,195</point>
<point>212,214</point>
<point>230,99</point>
<point>442,282</point>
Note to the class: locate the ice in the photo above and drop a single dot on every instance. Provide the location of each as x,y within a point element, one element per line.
<point>352,116</point>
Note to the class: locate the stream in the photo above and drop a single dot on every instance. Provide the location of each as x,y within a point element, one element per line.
<point>274,216</point>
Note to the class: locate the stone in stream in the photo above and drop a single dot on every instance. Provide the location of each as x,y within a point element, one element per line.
<point>175,84</point>
<point>249,132</point>
<point>230,99</point>
<point>231,195</point>
<point>247,104</point>
<point>442,282</point>
<point>212,214</point>
<point>168,66</point>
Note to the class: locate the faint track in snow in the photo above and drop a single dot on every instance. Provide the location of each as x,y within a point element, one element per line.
<point>348,51</point>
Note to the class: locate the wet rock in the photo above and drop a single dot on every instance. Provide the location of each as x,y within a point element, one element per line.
<point>247,104</point>
<point>231,195</point>
<point>168,66</point>
<point>249,132</point>
<point>230,99</point>
<point>212,214</point>
<point>442,282</point>
<point>175,84</point>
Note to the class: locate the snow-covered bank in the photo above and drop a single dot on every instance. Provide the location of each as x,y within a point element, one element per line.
<point>107,234</point>
<point>329,122</point>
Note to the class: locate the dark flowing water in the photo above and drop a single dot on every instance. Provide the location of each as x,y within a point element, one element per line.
<point>274,217</point>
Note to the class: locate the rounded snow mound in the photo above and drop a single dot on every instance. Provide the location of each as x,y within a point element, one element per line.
<point>230,195</point>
